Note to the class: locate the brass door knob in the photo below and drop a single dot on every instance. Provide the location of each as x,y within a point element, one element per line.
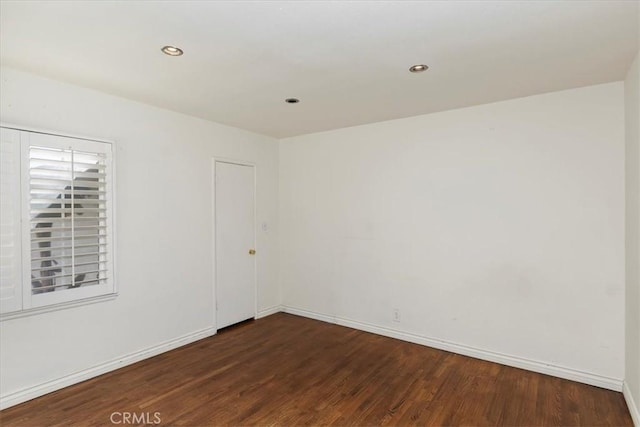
<point>252,251</point>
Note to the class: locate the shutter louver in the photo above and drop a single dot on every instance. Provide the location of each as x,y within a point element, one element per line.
<point>68,219</point>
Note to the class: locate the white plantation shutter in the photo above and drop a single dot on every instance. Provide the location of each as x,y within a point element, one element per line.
<point>68,219</point>
<point>56,220</point>
<point>10,231</point>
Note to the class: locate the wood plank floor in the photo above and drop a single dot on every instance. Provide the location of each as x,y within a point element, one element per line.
<point>289,371</point>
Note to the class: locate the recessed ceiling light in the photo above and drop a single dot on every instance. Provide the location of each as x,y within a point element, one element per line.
<point>172,51</point>
<point>418,68</point>
<point>292,100</point>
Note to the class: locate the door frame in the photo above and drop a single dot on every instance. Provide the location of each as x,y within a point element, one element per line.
<point>215,160</point>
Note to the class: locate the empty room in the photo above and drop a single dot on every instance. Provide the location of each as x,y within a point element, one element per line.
<point>346,213</point>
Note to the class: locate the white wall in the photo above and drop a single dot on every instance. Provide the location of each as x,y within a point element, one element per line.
<point>498,227</point>
<point>164,229</point>
<point>632,109</point>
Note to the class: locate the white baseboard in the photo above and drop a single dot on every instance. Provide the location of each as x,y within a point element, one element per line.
<point>491,356</point>
<point>20,396</point>
<point>269,311</point>
<point>631,404</point>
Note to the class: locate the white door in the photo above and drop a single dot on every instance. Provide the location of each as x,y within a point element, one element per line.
<point>234,246</point>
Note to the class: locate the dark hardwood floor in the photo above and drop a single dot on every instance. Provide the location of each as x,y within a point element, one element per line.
<point>289,371</point>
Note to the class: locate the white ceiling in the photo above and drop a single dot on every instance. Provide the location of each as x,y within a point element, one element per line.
<point>347,61</point>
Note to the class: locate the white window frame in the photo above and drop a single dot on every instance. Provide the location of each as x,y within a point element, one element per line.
<point>37,303</point>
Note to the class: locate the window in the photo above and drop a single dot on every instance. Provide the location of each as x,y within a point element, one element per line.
<point>56,228</point>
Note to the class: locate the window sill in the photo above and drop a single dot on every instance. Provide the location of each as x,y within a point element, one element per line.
<point>56,307</point>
